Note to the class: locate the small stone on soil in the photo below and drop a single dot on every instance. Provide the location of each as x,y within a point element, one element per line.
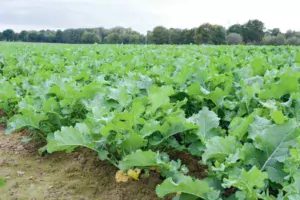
<point>20,173</point>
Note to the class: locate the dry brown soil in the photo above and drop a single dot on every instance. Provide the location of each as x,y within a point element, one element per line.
<point>78,175</point>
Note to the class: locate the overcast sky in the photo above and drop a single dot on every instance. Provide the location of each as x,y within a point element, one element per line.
<point>143,15</point>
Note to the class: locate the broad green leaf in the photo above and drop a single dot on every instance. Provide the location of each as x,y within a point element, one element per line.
<point>7,91</point>
<point>159,96</point>
<point>183,75</point>
<point>68,138</point>
<point>196,89</point>
<point>287,84</point>
<point>121,123</point>
<point>138,159</point>
<point>206,120</point>
<point>91,90</point>
<point>270,104</point>
<point>250,91</point>
<point>247,182</point>
<point>252,156</point>
<point>132,142</point>
<point>196,148</point>
<point>50,105</point>
<point>30,105</point>
<point>276,140</point>
<point>239,126</point>
<point>172,126</point>
<point>258,127</point>
<point>103,154</point>
<point>120,95</point>
<point>219,148</point>
<point>19,122</point>
<point>185,184</point>
<point>217,95</point>
<point>293,189</point>
<point>276,173</point>
<point>137,110</point>
<point>278,117</point>
<point>257,67</point>
<point>150,127</point>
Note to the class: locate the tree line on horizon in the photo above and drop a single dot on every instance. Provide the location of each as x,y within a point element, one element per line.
<point>251,32</point>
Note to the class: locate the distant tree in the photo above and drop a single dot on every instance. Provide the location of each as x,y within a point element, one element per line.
<point>289,34</point>
<point>160,35</point>
<point>131,38</point>
<point>58,36</point>
<point>42,36</point>
<point>102,33</point>
<point>269,40</point>
<point>219,35</point>
<point>210,34</point>
<point>253,31</point>
<point>90,38</point>
<point>66,36</point>
<point>280,39</point>
<point>293,41</point>
<point>236,28</point>
<point>125,38</point>
<point>188,36</point>
<point>16,37</point>
<point>273,32</point>
<point>8,35</point>
<point>137,39</point>
<point>49,36</point>
<point>297,34</point>
<point>113,38</point>
<point>203,34</point>
<point>34,36</point>
<point>118,29</point>
<point>149,38</point>
<point>142,39</point>
<point>234,38</point>
<point>175,36</point>
<point>23,36</point>
<point>76,35</point>
<point>292,37</point>
<point>72,36</point>
<point>1,36</point>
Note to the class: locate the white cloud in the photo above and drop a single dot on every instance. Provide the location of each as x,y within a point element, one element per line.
<point>143,15</point>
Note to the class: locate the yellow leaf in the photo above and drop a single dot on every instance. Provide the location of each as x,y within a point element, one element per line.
<point>134,173</point>
<point>121,176</point>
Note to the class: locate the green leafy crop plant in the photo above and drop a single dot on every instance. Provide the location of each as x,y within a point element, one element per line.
<point>234,109</point>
